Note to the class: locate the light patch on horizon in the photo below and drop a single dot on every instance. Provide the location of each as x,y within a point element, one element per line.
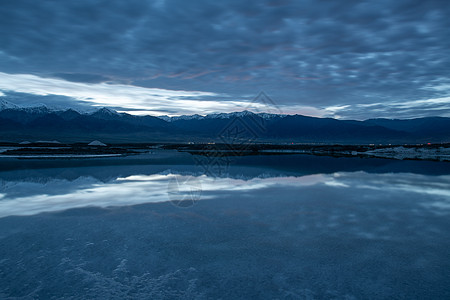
<point>393,109</point>
<point>140,100</point>
<point>128,97</point>
<point>311,59</point>
<point>304,110</point>
<point>440,88</point>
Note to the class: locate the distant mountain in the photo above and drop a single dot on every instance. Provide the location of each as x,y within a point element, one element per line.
<point>7,105</point>
<point>240,114</point>
<point>105,113</point>
<point>33,123</point>
<point>68,114</point>
<point>184,117</point>
<point>42,123</point>
<point>431,127</point>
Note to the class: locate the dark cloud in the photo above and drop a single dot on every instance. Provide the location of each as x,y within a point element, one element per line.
<point>51,101</point>
<point>79,77</point>
<point>317,53</point>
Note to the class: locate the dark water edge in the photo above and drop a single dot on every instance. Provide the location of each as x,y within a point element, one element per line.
<point>300,163</point>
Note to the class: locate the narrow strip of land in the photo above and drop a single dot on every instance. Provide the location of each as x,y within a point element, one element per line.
<point>437,152</point>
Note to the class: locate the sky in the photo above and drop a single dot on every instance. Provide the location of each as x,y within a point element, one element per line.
<point>343,59</point>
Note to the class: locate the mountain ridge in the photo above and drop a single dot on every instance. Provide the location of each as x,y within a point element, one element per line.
<point>42,122</point>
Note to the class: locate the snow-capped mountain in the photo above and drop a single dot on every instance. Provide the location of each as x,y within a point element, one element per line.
<point>40,122</point>
<point>106,111</point>
<point>42,109</point>
<point>165,118</point>
<point>37,109</point>
<point>7,105</point>
<point>268,116</point>
<point>109,112</point>
<point>183,117</point>
<point>239,114</point>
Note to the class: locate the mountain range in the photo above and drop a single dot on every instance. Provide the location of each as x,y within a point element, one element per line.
<point>36,123</point>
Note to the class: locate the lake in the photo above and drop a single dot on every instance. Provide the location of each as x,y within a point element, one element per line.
<point>263,227</point>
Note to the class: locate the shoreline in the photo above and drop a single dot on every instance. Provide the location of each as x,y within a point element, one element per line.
<point>428,152</point>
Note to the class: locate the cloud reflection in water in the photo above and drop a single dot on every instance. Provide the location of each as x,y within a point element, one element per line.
<point>29,198</point>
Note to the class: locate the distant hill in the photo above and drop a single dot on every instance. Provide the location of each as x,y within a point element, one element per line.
<point>37,123</point>
<point>431,128</point>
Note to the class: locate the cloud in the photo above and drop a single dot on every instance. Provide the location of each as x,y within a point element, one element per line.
<point>393,109</point>
<point>132,99</point>
<point>29,90</point>
<point>306,53</point>
<point>77,77</point>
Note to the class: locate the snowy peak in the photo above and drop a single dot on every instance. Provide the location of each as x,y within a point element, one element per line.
<point>192,117</point>
<point>39,109</point>
<point>183,117</point>
<point>221,116</point>
<point>239,114</point>
<point>165,118</point>
<point>268,116</point>
<point>107,111</point>
<point>7,105</point>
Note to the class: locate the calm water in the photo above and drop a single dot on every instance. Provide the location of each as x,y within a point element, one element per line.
<point>269,228</point>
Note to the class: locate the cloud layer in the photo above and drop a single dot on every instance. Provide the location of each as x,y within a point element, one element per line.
<point>321,54</point>
<point>119,96</point>
<point>26,89</point>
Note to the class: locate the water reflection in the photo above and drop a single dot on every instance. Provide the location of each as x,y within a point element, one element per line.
<point>47,193</point>
<point>256,233</point>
